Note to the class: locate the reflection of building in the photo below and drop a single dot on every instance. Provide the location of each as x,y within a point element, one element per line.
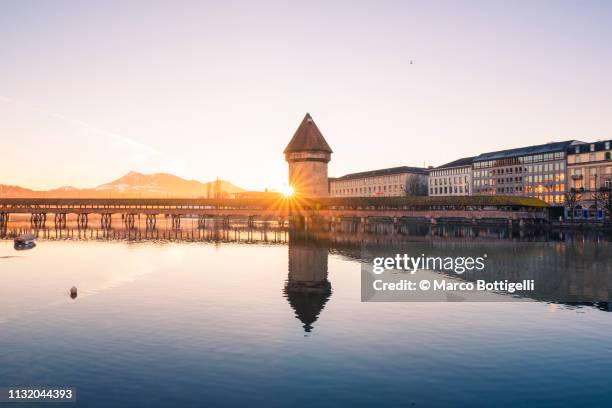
<point>308,154</point>
<point>534,171</point>
<point>589,169</point>
<point>307,287</point>
<point>396,181</point>
<point>452,179</point>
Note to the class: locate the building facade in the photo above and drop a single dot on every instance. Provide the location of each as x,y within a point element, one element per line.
<point>308,155</point>
<point>535,171</point>
<point>589,171</point>
<point>452,179</point>
<point>392,182</point>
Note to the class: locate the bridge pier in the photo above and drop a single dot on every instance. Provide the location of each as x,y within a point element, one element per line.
<point>129,220</point>
<point>106,221</point>
<point>201,221</point>
<point>176,221</point>
<point>60,220</point>
<point>151,221</point>
<point>4,219</point>
<point>82,221</point>
<point>37,220</point>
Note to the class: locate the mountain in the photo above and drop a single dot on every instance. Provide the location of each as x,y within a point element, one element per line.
<point>133,185</point>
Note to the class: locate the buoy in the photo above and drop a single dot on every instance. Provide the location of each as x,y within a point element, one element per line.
<point>73,292</point>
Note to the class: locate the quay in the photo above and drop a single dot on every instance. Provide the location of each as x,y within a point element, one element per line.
<point>296,212</point>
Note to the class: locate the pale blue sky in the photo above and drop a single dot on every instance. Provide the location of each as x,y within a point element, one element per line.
<point>91,90</point>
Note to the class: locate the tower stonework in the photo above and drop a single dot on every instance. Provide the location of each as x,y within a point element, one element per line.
<point>308,154</point>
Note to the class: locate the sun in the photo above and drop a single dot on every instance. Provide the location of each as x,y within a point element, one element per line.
<point>287,191</point>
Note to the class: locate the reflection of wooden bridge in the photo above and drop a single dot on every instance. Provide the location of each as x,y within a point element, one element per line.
<point>300,213</point>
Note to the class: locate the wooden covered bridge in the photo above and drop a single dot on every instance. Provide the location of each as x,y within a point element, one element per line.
<point>297,212</point>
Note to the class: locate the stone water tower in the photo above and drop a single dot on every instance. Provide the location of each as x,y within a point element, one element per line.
<point>308,154</point>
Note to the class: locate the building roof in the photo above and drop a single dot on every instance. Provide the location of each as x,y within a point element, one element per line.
<point>307,137</point>
<point>585,148</point>
<point>466,161</point>
<point>523,151</point>
<point>383,172</point>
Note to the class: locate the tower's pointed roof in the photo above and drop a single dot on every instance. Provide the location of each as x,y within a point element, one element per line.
<point>307,137</point>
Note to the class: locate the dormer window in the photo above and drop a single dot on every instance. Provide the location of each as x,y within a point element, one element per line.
<point>577,150</point>
<point>607,145</point>
<point>592,147</point>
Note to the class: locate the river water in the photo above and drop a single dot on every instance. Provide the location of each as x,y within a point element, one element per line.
<point>215,322</point>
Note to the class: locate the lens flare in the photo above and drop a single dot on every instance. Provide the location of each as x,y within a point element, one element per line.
<point>287,191</point>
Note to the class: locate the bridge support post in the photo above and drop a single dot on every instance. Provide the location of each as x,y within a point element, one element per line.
<point>151,221</point>
<point>82,221</point>
<point>176,221</point>
<point>37,220</point>
<point>201,221</point>
<point>4,219</point>
<point>129,220</point>
<point>60,220</point>
<point>106,221</point>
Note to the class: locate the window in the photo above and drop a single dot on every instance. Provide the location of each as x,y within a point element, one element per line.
<point>607,145</point>
<point>592,147</point>
<point>607,155</point>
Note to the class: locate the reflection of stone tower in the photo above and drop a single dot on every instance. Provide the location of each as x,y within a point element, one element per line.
<point>307,287</point>
<point>308,154</point>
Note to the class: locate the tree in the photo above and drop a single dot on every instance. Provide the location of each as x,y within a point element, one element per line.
<point>416,185</point>
<point>572,197</point>
<point>603,199</point>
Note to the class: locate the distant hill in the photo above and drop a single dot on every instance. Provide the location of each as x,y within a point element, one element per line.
<point>133,185</point>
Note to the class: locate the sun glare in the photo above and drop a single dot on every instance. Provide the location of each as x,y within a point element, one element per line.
<point>287,191</point>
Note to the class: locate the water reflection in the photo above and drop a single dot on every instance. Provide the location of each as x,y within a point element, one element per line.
<point>569,266</point>
<point>307,288</point>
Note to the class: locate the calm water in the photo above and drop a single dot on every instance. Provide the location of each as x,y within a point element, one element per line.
<point>186,324</point>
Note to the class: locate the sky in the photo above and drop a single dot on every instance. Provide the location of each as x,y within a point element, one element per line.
<point>92,90</point>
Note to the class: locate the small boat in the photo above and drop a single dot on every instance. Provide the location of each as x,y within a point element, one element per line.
<point>25,241</point>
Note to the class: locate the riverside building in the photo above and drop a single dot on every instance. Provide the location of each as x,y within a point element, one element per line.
<point>589,170</point>
<point>535,171</point>
<point>391,182</point>
<point>452,179</point>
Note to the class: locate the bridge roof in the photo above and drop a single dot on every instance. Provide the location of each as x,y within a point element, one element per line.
<point>262,203</point>
<point>307,137</point>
